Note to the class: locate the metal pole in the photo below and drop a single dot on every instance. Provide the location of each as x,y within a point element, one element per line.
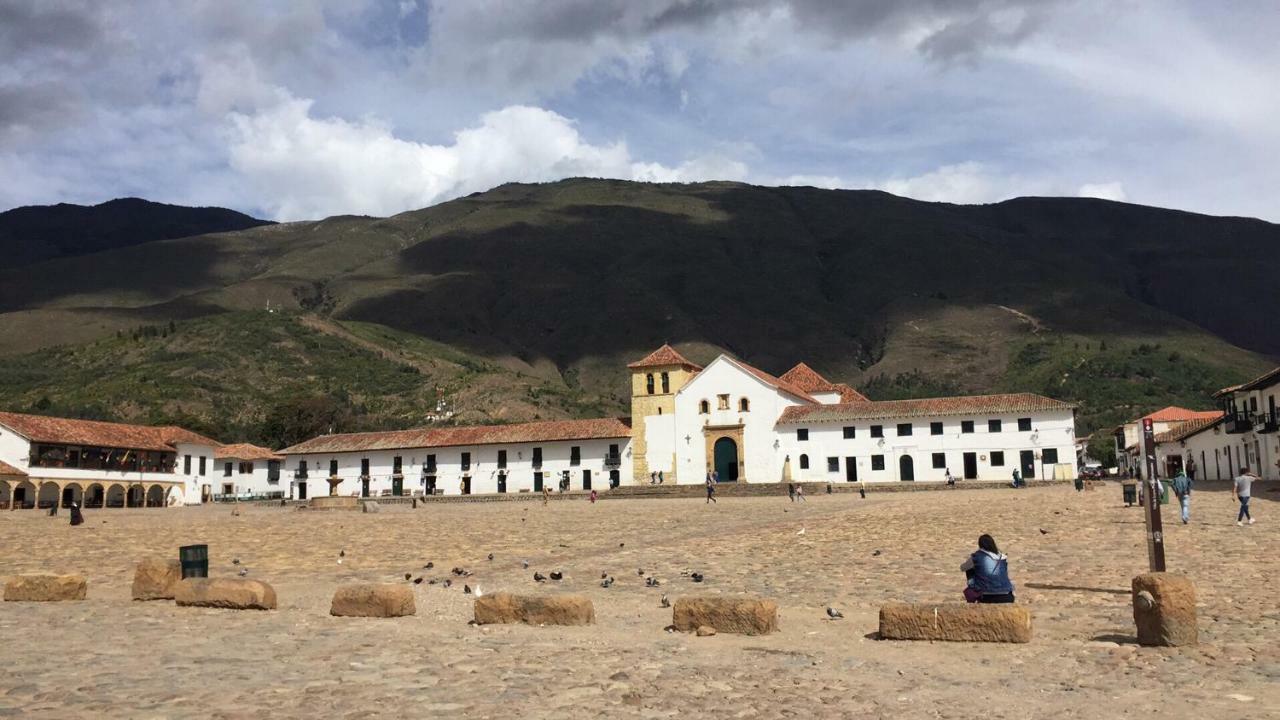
<point>1155,529</point>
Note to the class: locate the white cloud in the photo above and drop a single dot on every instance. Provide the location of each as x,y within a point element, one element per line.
<point>1103,191</point>
<point>968,182</point>
<point>301,166</point>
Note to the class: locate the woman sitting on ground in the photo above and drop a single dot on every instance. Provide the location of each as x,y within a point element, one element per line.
<point>987,571</point>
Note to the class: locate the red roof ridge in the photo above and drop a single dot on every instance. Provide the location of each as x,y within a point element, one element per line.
<point>1173,413</point>
<point>776,382</point>
<point>665,355</point>
<point>1184,430</point>
<point>7,469</point>
<point>808,379</point>
<point>921,407</point>
<point>245,451</point>
<point>73,431</point>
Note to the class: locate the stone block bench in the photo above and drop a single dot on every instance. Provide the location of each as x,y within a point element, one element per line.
<point>226,593</point>
<point>373,600</point>
<point>45,588</point>
<point>744,616</point>
<point>156,578</point>
<point>959,622</point>
<point>505,608</point>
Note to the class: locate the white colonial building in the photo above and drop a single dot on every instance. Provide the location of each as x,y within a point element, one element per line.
<point>47,460</point>
<point>1129,441</point>
<point>247,471</point>
<point>687,421</point>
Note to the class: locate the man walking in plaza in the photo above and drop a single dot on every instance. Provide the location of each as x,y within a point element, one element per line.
<point>711,488</point>
<point>1191,469</point>
<point>1241,491</point>
<point>1182,488</point>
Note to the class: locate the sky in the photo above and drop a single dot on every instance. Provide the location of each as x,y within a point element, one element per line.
<point>308,108</point>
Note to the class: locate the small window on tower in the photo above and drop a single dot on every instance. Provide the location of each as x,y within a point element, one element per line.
<point>666,383</point>
<point>744,405</point>
<point>704,407</point>
<point>648,383</point>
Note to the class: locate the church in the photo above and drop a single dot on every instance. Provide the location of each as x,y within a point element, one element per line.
<point>728,419</point>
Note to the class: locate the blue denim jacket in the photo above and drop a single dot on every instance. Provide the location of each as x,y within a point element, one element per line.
<point>990,575</point>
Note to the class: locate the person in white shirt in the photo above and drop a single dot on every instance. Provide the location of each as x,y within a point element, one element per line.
<point>1241,491</point>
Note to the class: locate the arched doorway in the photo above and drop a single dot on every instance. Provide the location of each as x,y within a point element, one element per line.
<point>94,496</point>
<point>115,496</point>
<point>906,468</point>
<point>6,493</point>
<point>24,496</point>
<point>72,494</point>
<point>48,495</point>
<point>155,496</point>
<point>136,496</point>
<point>726,459</point>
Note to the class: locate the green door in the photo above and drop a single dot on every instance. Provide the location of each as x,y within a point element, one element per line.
<point>726,459</point>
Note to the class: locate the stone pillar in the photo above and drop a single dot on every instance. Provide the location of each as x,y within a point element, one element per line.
<point>1164,609</point>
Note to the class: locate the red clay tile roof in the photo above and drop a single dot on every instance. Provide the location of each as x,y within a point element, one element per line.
<point>779,383</point>
<point>245,451</point>
<point>7,469</point>
<point>1185,430</point>
<point>807,379</point>
<point>545,431</point>
<point>848,394</point>
<point>1179,414</point>
<point>65,431</point>
<point>360,442</point>
<point>663,356</point>
<point>929,407</point>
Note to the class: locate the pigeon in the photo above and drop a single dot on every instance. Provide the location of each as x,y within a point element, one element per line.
<point>557,575</point>
<point>524,564</point>
<point>665,602</point>
<point>236,561</point>
<point>1043,531</point>
<point>539,577</point>
<point>408,575</point>
<point>466,589</point>
<point>697,577</point>
<point>604,575</point>
<point>490,556</point>
<point>432,581</point>
<point>875,554</point>
<point>640,572</point>
<point>428,566</point>
<point>607,582</point>
<point>651,582</point>
<point>244,571</point>
<point>619,544</point>
<point>342,553</point>
<point>447,582</point>
<point>801,532</point>
<point>834,613</point>
<point>417,581</point>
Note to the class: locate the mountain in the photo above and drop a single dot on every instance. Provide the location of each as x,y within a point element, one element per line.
<point>1119,307</point>
<point>35,233</point>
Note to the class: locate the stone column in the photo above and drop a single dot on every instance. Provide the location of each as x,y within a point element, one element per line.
<point>1164,609</point>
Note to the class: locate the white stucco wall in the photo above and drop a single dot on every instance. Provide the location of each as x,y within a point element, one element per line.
<point>1054,430</point>
<point>762,461</point>
<point>660,437</point>
<point>254,483</point>
<point>484,470</point>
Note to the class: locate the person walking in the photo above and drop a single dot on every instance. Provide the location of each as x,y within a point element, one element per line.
<point>711,488</point>
<point>951,479</point>
<point>592,496</point>
<point>546,495</point>
<point>1182,488</point>
<point>1191,469</point>
<point>800,493</point>
<point>791,491</point>
<point>1017,478</point>
<point>1241,491</point>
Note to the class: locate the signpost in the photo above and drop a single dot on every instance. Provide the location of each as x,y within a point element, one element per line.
<point>1155,529</point>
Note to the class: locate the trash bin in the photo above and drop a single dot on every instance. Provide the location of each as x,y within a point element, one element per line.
<point>1130,493</point>
<point>195,560</point>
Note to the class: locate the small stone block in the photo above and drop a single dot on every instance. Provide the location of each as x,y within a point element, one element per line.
<point>503,608</point>
<point>155,579</point>
<point>1164,609</point>
<point>226,593</point>
<point>373,600</point>
<point>957,622</point>
<point>743,616</point>
<point>45,588</point>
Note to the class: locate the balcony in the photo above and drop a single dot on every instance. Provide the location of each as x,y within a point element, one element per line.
<point>1237,424</point>
<point>612,460</point>
<point>1268,423</point>
<point>299,474</point>
<point>537,463</point>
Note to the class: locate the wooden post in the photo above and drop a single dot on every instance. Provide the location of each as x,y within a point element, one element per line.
<point>1155,529</point>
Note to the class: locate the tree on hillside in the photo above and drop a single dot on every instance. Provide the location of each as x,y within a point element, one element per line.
<point>292,421</point>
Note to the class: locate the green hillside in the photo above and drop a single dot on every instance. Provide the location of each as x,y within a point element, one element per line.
<point>551,289</point>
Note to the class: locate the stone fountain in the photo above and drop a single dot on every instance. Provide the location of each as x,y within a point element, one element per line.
<point>334,501</point>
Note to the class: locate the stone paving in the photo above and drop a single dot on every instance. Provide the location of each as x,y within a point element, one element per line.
<point>1072,556</point>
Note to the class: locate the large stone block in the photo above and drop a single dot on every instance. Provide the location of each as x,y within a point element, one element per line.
<point>373,600</point>
<point>960,622</point>
<point>1164,609</point>
<point>45,588</point>
<point>744,616</point>
<point>501,608</point>
<point>228,593</point>
<point>155,579</point>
